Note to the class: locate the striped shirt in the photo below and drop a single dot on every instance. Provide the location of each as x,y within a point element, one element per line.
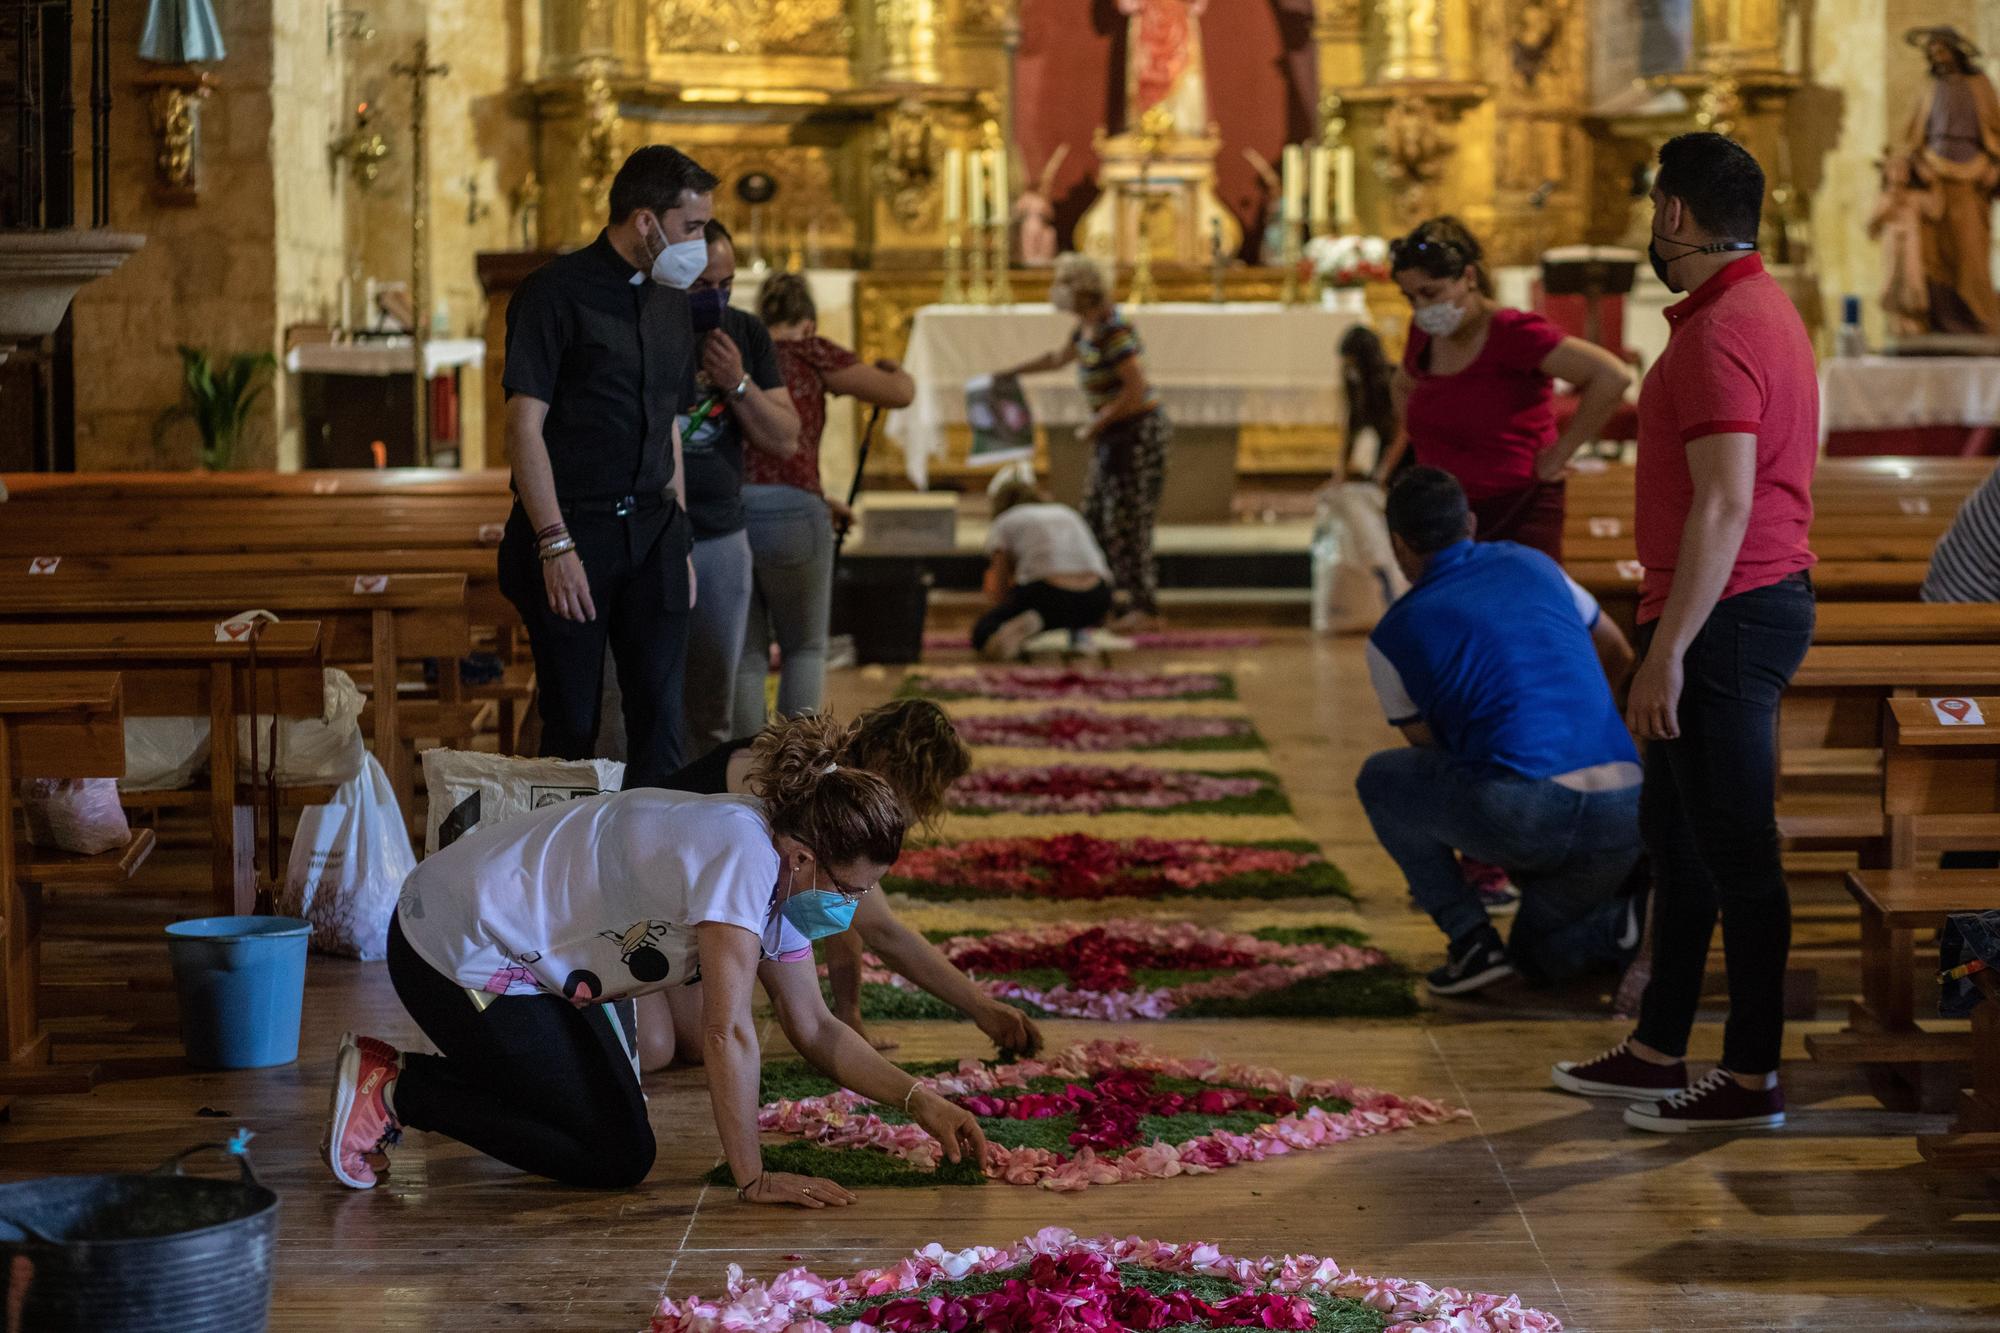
<point>1966,565</point>
<point>1099,351</point>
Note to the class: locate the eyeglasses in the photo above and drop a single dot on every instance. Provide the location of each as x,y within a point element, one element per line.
<point>848,891</point>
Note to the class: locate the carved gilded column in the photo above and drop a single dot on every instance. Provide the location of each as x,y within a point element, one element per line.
<point>1414,39</point>
<point>908,31</point>
<point>1732,35</point>
<point>1409,115</point>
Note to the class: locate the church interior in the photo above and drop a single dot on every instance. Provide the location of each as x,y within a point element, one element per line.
<point>316,351</point>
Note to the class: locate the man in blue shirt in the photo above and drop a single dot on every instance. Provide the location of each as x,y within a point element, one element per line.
<point>1495,666</point>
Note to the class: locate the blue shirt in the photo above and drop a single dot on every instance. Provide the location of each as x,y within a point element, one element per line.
<point>1492,650</point>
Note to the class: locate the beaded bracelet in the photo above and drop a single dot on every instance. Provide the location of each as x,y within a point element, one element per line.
<point>742,1191</point>
<point>551,530</point>
<point>560,547</point>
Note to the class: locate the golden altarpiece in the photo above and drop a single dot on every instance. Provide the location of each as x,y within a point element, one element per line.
<point>847,112</point>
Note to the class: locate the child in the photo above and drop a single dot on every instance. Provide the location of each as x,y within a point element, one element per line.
<point>1047,571</point>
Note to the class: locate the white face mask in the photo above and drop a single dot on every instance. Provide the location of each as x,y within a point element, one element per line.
<point>679,264</point>
<point>1439,319</point>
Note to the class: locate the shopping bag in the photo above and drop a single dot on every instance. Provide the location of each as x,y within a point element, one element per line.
<point>79,815</point>
<point>349,861</point>
<point>163,753</point>
<point>323,751</point>
<point>469,789</point>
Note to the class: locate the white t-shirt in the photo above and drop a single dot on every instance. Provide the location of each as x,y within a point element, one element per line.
<point>1044,540</point>
<point>596,899</point>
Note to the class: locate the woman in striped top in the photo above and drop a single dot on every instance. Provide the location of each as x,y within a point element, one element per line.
<point>1965,567</point>
<point>1127,427</point>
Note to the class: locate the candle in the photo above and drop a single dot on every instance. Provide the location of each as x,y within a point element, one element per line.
<point>975,188</point>
<point>1293,185</point>
<point>996,171</point>
<point>954,184</point>
<point>1343,195</point>
<point>1320,183</point>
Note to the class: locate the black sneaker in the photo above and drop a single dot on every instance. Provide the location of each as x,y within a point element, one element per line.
<point>1471,964</point>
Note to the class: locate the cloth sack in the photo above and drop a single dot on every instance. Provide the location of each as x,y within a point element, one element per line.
<point>79,815</point>
<point>468,789</point>
<point>349,860</point>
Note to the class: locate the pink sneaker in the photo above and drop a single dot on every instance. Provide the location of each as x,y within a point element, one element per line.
<point>360,1127</point>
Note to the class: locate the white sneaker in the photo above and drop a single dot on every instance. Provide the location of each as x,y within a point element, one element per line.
<point>1007,641</point>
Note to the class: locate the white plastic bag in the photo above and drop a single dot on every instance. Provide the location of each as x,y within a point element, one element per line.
<point>349,861</point>
<point>163,753</point>
<point>312,752</point>
<point>79,815</point>
<point>1354,570</point>
<point>468,789</point>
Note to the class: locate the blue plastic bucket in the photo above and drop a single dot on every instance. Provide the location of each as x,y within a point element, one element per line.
<point>242,982</point>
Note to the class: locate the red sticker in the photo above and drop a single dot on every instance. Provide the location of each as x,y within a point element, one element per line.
<point>367,583</point>
<point>325,485</point>
<point>1914,504</point>
<point>491,533</point>
<point>1958,712</point>
<point>1606,527</point>
<point>1631,571</point>
<point>43,564</point>
<point>233,631</point>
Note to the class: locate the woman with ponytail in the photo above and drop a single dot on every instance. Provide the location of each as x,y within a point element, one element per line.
<point>517,949</point>
<point>912,745</point>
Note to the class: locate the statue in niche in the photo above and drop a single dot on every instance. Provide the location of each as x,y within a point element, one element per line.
<point>1036,213</point>
<point>1953,144</point>
<point>1163,64</point>
<point>1533,37</point>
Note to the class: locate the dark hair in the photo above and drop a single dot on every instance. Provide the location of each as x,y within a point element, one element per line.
<point>840,812</point>
<point>912,745</point>
<point>713,231</point>
<point>1427,509</point>
<point>1718,180</point>
<point>1442,247</point>
<point>786,298</point>
<point>654,178</point>
<point>1367,380</point>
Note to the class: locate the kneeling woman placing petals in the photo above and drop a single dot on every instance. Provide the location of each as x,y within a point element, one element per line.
<point>518,948</point>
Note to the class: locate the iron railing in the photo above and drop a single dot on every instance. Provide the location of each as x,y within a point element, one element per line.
<point>38,111</point>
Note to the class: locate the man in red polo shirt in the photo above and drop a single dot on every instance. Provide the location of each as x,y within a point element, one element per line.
<point>1728,437</point>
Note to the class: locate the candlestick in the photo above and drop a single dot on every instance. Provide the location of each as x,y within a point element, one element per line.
<point>1321,188</point>
<point>975,192</point>
<point>1003,284</point>
<point>954,185</point>
<point>996,175</point>
<point>1343,167</point>
<point>954,267</point>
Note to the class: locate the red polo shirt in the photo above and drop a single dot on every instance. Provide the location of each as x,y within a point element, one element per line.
<point>1737,360</point>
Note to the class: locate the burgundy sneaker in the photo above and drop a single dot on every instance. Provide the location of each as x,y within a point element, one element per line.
<point>1619,1073</point>
<point>1718,1102</point>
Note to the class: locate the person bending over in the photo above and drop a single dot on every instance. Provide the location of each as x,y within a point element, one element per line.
<point>911,745</point>
<point>515,947</point>
<point>1496,666</point>
<point>1046,571</point>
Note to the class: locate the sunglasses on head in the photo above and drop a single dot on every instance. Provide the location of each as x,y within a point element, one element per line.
<point>1423,252</point>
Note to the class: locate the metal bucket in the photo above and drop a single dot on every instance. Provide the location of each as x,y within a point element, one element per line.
<point>158,1253</point>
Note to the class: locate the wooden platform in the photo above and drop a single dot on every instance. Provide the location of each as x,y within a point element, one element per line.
<point>1833,1225</point>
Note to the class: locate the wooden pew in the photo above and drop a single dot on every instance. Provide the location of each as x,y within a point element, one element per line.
<point>1942,774</point>
<point>1615,584</point>
<point>177,669</point>
<point>382,622</point>
<point>1908,622</point>
<point>325,482</point>
<point>52,725</point>
<point>1974,1141</point>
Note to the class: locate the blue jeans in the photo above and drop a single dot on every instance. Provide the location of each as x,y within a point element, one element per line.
<point>791,547</point>
<point>715,638</point>
<point>1569,851</point>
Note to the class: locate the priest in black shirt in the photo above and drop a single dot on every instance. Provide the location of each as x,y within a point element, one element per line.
<point>596,550</point>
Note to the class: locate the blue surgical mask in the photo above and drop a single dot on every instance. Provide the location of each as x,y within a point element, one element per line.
<point>818,913</point>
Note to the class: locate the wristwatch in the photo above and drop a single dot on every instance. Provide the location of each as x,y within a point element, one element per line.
<point>742,388</point>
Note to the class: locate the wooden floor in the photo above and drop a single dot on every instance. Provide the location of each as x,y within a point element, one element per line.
<point>1831,1224</point>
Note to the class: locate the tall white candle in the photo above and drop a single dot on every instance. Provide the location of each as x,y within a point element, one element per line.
<point>1321,184</point>
<point>1293,186</point>
<point>996,168</point>
<point>1343,194</point>
<point>975,191</point>
<point>954,184</point>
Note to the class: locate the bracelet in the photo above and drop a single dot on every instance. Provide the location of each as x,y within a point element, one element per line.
<point>742,1190</point>
<point>560,547</point>
<point>910,1096</point>
<point>552,530</point>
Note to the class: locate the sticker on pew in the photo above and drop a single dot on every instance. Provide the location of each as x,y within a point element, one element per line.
<point>1914,504</point>
<point>43,564</point>
<point>325,485</point>
<point>234,631</point>
<point>1631,571</point>
<point>491,533</point>
<point>1606,527</point>
<point>1957,712</point>
<point>367,583</point>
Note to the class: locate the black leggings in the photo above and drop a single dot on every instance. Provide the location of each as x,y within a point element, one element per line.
<point>1059,608</point>
<point>532,1080</point>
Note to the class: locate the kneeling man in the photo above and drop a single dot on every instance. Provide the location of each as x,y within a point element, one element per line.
<point>1496,666</point>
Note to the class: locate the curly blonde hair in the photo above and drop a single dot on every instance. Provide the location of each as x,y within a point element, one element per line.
<point>912,744</point>
<point>811,792</point>
<point>1082,275</point>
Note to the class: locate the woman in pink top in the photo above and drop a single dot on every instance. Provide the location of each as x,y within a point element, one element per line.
<point>1476,390</point>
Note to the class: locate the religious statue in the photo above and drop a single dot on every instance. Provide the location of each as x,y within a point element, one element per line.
<point>1163,65</point>
<point>1035,210</point>
<point>1901,215</point>
<point>1953,142</point>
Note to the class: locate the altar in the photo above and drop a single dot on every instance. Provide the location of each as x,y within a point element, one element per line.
<point>1946,405</point>
<point>1219,370</point>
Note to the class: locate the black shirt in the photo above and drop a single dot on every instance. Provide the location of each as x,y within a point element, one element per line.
<point>712,446</point>
<point>708,775</point>
<point>609,353</point>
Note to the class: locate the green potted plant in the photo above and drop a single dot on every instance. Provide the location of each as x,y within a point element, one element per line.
<point>220,398</point>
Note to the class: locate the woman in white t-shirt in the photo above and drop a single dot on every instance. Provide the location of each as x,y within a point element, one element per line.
<point>515,947</point>
<point>1045,571</point>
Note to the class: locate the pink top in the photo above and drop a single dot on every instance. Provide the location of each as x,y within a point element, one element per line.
<point>1485,423</point>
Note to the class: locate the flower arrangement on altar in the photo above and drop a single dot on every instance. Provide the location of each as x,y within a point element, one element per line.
<point>1089,729</point>
<point>1080,865</point>
<point>1348,261</point>
<point>1087,789</point>
<point>1111,685</point>
<point>1124,970</point>
<point>1056,1280</point>
<point>1100,1113</point>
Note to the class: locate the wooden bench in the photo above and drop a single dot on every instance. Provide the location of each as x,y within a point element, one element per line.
<point>52,725</point>
<point>1974,1141</point>
<point>1907,622</point>
<point>178,669</point>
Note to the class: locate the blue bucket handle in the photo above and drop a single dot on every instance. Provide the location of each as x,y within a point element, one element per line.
<point>238,1147</point>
